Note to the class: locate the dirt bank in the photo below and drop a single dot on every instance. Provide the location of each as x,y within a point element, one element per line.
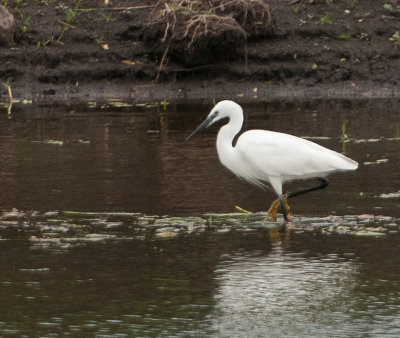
<point>144,50</point>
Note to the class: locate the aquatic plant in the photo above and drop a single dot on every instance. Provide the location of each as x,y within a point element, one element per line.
<point>344,137</point>
<point>7,85</point>
<point>164,104</point>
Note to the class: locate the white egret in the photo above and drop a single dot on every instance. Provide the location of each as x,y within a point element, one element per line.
<point>262,156</point>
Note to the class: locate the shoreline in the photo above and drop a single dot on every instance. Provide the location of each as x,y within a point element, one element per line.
<point>243,91</point>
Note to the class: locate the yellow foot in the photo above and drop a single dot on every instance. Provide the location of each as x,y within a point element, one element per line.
<point>273,209</point>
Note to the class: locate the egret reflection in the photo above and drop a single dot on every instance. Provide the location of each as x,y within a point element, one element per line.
<point>288,295</point>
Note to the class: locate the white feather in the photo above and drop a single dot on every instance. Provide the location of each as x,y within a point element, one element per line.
<point>262,156</point>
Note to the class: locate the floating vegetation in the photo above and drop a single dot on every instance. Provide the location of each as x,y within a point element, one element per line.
<point>316,137</point>
<point>147,105</point>
<point>390,195</point>
<point>52,142</point>
<point>371,140</point>
<point>92,104</point>
<point>7,85</point>
<point>380,161</point>
<point>63,230</point>
<point>374,140</point>
<point>118,103</point>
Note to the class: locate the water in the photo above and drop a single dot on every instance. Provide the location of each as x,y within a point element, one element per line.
<point>134,159</point>
<point>256,283</point>
<point>225,285</point>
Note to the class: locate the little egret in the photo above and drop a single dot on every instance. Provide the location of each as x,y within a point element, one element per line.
<point>262,156</point>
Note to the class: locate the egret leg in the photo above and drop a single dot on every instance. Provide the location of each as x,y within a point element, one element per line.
<point>282,201</point>
<point>273,210</point>
<point>285,208</point>
<point>324,183</point>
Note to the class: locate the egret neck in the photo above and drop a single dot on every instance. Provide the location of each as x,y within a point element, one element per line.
<point>228,132</point>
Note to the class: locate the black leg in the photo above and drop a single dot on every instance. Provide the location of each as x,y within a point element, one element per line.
<point>284,211</point>
<point>324,183</point>
<point>272,210</point>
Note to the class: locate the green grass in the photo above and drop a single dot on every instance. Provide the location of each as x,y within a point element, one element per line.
<point>326,19</point>
<point>105,17</point>
<point>395,39</point>
<point>346,37</point>
<point>70,15</point>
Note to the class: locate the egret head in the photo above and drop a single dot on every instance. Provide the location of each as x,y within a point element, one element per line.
<point>223,109</point>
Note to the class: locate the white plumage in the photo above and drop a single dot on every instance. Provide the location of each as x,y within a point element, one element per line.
<point>261,156</point>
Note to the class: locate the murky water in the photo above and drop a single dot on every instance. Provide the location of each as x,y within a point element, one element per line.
<point>256,283</point>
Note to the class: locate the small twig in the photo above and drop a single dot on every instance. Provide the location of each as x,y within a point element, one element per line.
<point>66,24</point>
<point>10,94</point>
<point>168,10</point>
<point>246,62</point>
<point>200,20</point>
<point>165,32</point>
<point>115,8</point>
<point>162,63</point>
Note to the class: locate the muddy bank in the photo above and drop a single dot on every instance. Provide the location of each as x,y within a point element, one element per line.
<point>145,50</point>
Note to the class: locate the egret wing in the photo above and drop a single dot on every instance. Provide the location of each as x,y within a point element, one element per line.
<point>279,154</point>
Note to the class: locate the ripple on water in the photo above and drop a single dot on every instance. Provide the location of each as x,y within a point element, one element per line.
<point>283,296</point>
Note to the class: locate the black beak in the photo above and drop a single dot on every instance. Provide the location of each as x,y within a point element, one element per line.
<point>202,126</point>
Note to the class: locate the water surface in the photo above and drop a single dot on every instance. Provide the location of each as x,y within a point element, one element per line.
<point>134,158</point>
<point>214,283</point>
